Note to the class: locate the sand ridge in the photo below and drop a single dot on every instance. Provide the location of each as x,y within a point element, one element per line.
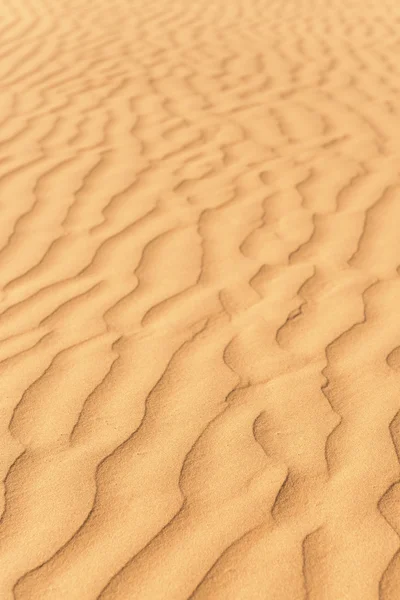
<point>199,269</point>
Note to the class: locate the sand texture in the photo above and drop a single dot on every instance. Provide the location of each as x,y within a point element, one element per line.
<point>200,299</point>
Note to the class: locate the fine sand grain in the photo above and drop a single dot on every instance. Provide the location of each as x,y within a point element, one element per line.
<point>200,299</point>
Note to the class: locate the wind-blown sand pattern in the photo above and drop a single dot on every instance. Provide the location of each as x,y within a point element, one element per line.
<point>200,292</point>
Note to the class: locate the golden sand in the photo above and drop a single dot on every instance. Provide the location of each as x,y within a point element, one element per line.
<point>200,299</point>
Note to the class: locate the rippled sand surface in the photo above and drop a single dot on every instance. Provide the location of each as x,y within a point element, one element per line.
<point>200,299</point>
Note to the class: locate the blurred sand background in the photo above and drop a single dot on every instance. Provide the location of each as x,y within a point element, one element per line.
<point>200,299</point>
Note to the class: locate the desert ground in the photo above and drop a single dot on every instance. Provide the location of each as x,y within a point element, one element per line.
<point>200,299</point>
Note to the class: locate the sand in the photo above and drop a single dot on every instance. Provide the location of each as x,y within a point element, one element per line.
<point>200,296</point>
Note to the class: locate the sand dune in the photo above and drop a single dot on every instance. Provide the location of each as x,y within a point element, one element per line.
<point>200,292</point>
